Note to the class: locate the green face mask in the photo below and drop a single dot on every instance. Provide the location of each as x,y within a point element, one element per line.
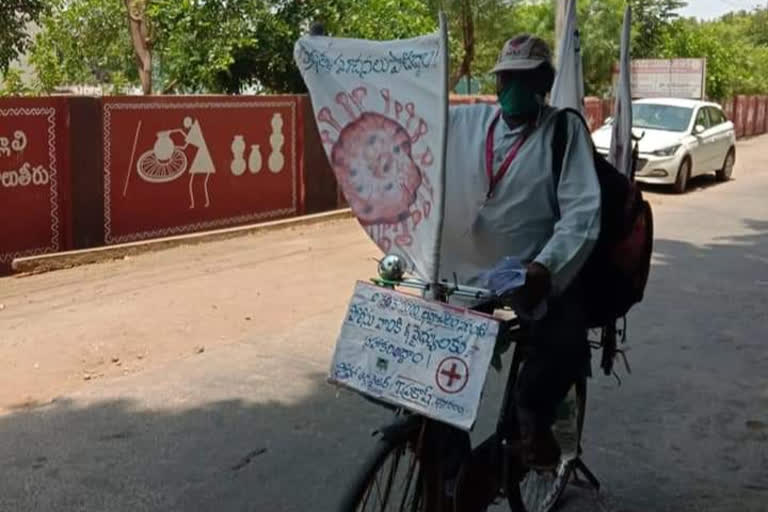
<point>518,100</point>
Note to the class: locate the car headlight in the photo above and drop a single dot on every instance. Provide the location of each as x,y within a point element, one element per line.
<point>671,150</point>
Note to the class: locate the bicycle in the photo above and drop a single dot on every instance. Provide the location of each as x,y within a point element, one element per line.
<point>419,464</point>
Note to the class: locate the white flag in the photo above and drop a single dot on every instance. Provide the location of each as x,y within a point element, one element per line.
<point>568,89</point>
<point>381,109</point>
<point>621,135</point>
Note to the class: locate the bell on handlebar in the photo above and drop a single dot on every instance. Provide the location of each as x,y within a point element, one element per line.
<point>391,268</point>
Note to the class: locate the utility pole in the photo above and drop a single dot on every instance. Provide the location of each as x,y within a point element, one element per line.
<point>560,7</point>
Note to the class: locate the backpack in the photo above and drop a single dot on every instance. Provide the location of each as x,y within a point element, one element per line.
<point>617,271</point>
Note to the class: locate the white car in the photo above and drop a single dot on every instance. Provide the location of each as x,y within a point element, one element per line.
<point>680,139</point>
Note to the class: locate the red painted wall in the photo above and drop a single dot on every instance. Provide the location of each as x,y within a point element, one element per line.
<point>728,107</point>
<point>208,174</point>
<point>740,115</point>
<point>129,187</point>
<point>760,116</point>
<point>34,178</point>
<point>593,109</point>
<point>608,106</point>
<point>751,115</point>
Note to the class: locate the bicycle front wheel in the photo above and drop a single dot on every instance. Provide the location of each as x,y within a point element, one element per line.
<point>391,480</point>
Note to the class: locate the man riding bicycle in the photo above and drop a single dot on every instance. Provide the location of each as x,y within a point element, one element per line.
<point>504,199</point>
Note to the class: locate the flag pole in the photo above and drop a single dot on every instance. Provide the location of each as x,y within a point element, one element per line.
<point>440,207</point>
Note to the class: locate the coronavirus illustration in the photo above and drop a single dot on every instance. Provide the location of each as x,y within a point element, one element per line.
<point>378,156</point>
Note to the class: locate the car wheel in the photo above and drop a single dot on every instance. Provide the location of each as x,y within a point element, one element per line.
<point>726,172</point>
<point>683,175</point>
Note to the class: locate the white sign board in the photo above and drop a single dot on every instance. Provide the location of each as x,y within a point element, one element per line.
<point>676,78</point>
<point>428,357</point>
<point>381,110</point>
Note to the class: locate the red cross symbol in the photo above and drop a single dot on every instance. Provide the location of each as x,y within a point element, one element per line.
<point>452,375</point>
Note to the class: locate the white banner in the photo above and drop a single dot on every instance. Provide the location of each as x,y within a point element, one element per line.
<point>675,78</point>
<point>427,357</point>
<point>381,109</point>
<point>620,154</point>
<point>568,89</point>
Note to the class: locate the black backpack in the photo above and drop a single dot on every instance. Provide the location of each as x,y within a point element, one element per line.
<point>617,271</point>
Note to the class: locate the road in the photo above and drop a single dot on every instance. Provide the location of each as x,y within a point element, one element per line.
<point>193,379</point>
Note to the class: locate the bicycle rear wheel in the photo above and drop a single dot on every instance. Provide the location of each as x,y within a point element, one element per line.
<point>390,480</point>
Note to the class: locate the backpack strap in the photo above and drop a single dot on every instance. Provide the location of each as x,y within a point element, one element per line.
<point>560,139</point>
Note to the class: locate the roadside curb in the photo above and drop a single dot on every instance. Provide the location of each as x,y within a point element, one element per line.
<point>61,260</point>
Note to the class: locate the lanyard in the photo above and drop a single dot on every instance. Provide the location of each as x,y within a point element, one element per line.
<point>494,179</point>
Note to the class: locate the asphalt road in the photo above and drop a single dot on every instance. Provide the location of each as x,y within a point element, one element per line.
<point>194,379</point>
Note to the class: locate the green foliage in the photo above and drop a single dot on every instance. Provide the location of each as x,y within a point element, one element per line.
<point>650,18</point>
<point>204,45</point>
<point>83,42</point>
<point>217,46</point>
<point>376,19</point>
<point>194,41</point>
<point>492,23</point>
<point>266,60</point>
<point>12,84</point>
<point>600,24</point>
<point>735,65</point>
<point>15,16</point>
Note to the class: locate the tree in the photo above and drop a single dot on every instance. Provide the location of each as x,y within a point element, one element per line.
<point>83,42</point>
<point>477,31</point>
<point>722,43</point>
<point>142,41</point>
<point>12,84</point>
<point>649,19</point>
<point>196,46</point>
<point>366,19</point>
<point>600,24</point>
<point>15,17</point>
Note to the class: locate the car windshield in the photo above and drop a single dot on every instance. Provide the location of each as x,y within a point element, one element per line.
<point>661,117</point>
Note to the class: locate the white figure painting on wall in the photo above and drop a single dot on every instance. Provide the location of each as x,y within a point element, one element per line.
<point>202,164</point>
<point>254,161</point>
<point>167,161</point>
<point>276,140</point>
<point>238,156</point>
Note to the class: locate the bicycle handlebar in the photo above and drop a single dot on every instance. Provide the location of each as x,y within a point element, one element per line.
<point>450,290</point>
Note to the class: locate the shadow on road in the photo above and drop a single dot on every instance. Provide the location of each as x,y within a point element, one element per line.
<point>696,184</point>
<point>687,431</point>
<point>225,456</point>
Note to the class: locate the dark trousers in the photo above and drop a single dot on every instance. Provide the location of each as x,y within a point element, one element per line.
<point>557,355</point>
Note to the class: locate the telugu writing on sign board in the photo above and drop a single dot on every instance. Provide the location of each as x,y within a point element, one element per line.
<point>428,357</point>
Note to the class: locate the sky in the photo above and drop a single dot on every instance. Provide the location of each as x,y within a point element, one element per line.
<point>707,9</point>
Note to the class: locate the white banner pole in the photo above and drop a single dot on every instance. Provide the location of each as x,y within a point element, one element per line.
<point>444,91</point>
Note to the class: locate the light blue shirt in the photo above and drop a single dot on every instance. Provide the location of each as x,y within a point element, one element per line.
<point>529,216</point>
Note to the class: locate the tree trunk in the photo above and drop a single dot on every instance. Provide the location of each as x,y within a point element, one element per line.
<point>141,42</point>
<point>468,33</point>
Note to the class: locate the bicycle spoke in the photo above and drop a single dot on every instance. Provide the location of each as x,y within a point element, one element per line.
<point>395,483</point>
<point>367,496</point>
<point>392,472</point>
<point>419,495</point>
<point>378,489</point>
<point>408,479</point>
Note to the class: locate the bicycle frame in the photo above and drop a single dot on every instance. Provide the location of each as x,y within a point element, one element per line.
<point>444,450</point>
